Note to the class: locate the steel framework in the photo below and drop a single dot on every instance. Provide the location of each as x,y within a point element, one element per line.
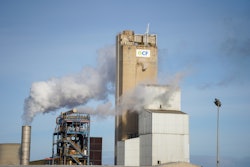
<point>71,139</point>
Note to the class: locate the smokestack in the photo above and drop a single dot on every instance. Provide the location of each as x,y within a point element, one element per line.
<point>25,145</point>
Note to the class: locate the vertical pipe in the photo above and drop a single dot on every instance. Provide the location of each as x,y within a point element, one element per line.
<point>53,145</point>
<point>25,145</point>
<point>118,86</point>
<point>88,141</point>
<point>217,148</point>
<point>218,104</point>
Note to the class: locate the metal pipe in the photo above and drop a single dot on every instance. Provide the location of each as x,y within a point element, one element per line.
<point>25,145</point>
<point>217,148</point>
<point>218,104</point>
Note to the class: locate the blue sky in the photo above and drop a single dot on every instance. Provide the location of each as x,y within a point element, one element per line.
<point>209,40</point>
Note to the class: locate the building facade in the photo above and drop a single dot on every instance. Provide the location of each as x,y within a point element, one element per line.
<point>159,133</point>
<point>10,153</point>
<point>136,62</point>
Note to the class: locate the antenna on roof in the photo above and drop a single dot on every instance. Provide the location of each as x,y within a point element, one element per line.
<point>146,35</point>
<point>147,30</point>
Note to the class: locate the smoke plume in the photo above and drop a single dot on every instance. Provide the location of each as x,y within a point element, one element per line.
<point>72,90</point>
<point>92,84</point>
<point>137,99</point>
<point>142,96</point>
<point>102,110</point>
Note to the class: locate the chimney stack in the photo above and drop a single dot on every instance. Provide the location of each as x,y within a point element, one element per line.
<point>25,145</point>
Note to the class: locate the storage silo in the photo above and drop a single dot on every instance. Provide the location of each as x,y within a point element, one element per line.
<point>136,63</point>
<point>158,132</point>
<point>10,153</point>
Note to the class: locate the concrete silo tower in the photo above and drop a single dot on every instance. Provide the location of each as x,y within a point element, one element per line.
<point>159,132</point>
<point>136,62</point>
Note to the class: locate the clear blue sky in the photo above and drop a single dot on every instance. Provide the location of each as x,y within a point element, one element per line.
<point>210,40</point>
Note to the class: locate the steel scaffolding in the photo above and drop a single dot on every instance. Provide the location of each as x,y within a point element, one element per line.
<point>71,139</point>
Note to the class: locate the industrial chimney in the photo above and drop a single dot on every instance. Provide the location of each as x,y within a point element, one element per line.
<point>25,145</point>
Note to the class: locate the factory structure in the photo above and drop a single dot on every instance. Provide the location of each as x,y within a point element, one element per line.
<point>71,139</point>
<point>156,134</point>
<point>72,144</point>
<point>159,133</point>
<point>16,153</point>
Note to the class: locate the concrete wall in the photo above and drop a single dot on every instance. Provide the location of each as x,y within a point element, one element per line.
<point>170,123</point>
<point>120,153</point>
<point>132,155</point>
<point>128,152</point>
<point>163,122</point>
<point>132,70</point>
<point>10,154</point>
<point>156,149</point>
<point>167,140</point>
<point>169,148</point>
<point>146,150</point>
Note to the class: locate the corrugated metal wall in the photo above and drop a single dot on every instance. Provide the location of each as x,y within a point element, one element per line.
<point>170,123</point>
<point>120,152</point>
<point>95,151</point>
<point>132,155</point>
<point>166,141</point>
<point>129,152</point>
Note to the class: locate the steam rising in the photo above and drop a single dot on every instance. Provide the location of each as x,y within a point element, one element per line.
<point>92,84</point>
<point>137,99</point>
<point>102,110</point>
<point>73,90</point>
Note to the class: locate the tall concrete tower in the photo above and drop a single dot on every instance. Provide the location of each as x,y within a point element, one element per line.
<point>136,62</point>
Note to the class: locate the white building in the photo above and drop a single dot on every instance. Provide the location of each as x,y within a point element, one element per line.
<point>163,132</point>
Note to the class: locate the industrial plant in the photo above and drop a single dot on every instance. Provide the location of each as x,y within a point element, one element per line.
<point>155,133</point>
<point>159,133</point>
<point>72,144</point>
<point>71,139</point>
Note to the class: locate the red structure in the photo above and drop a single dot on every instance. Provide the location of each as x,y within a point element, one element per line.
<point>95,151</point>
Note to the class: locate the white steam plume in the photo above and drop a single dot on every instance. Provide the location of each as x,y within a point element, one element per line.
<point>136,99</point>
<point>102,110</point>
<point>92,84</point>
<point>72,90</point>
<point>142,95</point>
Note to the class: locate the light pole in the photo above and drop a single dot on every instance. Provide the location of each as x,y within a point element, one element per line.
<point>218,104</point>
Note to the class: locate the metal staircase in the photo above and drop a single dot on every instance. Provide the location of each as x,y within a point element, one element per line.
<point>76,147</point>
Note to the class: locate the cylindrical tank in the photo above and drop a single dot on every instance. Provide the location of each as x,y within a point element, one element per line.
<point>25,145</point>
<point>10,154</point>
